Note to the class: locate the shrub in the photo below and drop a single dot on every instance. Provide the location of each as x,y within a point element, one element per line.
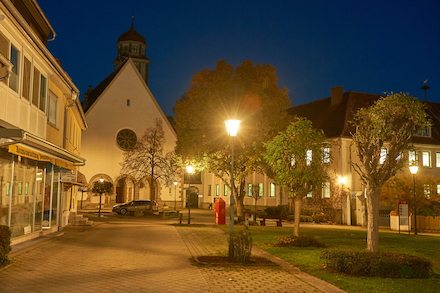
<point>304,218</point>
<point>5,245</point>
<point>242,243</point>
<point>300,241</point>
<point>377,264</point>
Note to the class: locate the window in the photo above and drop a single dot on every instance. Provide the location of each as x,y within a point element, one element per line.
<point>272,190</point>
<point>427,190</point>
<point>309,195</point>
<point>52,109</point>
<point>326,190</point>
<point>424,131</point>
<point>309,157</point>
<point>292,160</point>
<point>26,82</point>
<point>217,190</point>
<point>437,160</point>
<point>13,78</point>
<point>412,158</point>
<point>438,189</point>
<point>126,139</point>
<point>43,93</point>
<point>260,189</point>
<point>249,190</point>
<point>326,156</point>
<point>128,102</point>
<point>426,159</point>
<point>383,155</point>
<point>225,190</point>
<point>209,189</point>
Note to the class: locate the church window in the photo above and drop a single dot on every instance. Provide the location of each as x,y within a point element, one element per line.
<point>126,139</point>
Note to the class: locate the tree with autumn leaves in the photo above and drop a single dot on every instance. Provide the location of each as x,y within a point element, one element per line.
<point>249,93</point>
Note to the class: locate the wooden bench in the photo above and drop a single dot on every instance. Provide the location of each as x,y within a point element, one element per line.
<point>279,219</point>
<point>166,213</point>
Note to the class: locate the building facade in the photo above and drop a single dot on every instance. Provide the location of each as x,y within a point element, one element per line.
<point>40,126</point>
<point>334,115</point>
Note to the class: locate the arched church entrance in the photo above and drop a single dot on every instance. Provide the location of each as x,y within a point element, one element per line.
<point>124,190</point>
<point>192,197</point>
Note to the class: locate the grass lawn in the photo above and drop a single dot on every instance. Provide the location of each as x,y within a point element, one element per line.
<point>308,259</point>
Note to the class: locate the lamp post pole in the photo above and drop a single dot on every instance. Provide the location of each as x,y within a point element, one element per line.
<point>175,187</point>
<point>100,195</point>
<point>413,169</point>
<point>189,169</point>
<point>232,129</point>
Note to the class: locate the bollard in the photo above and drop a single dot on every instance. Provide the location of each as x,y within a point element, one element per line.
<point>181,216</point>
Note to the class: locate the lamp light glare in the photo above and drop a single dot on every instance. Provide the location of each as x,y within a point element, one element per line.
<point>232,127</point>
<point>189,169</point>
<point>413,169</point>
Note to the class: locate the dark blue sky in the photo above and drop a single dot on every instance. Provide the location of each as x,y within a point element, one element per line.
<point>370,46</point>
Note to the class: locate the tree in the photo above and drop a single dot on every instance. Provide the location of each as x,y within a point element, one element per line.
<point>248,93</point>
<point>102,186</point>
<point>387,125</point>
<point>148,159</point>
<point>299,161</point>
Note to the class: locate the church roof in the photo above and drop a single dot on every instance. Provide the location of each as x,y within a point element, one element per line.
<point>132,35</point>
<point>91,96</point>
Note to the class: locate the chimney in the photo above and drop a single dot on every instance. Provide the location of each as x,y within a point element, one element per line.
<point>337,94</point>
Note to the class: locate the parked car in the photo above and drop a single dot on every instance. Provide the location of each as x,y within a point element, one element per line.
<point>137,205</point>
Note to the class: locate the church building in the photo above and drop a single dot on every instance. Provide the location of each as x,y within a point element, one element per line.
<point>119,110</point>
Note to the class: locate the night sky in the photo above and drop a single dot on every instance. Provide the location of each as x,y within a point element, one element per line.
<point>371,46</point>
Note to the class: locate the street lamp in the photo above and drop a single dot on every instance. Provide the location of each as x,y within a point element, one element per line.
<point>189,169</point>
<point>413,170</point>
<point>232,129</point>
<point>175,186</point>
<point>101,180</point>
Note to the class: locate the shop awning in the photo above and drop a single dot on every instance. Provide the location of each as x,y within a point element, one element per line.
<point>18,141</point>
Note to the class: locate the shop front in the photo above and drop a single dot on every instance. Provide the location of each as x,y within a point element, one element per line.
<point>33,197</point>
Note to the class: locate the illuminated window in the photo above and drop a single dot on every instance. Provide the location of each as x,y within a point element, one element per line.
<point>326,156</point>
<point>309,157</point>
<point>217,190</point>
<point>437,160</point>
<point>427,190</point>
<point>260,189</point>
<point>326,190</point>
<point>272,190</point>
<point>383,155</point>
<point>225,190</point>
<point>426,159</point>
<point>249,190</point>
<point>412,158</point>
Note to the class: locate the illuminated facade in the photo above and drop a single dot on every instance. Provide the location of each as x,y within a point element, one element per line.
<point>40,126</point>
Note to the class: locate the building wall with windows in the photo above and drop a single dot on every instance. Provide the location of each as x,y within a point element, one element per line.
<point>39,139</point>
<point>333,116</point>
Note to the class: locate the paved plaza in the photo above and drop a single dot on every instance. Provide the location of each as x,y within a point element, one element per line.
<point>138,254</point>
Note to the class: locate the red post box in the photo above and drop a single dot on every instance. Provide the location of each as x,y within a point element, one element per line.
<point>220,212</point>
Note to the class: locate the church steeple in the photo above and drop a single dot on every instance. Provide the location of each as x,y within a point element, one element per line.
<point>132,44</point>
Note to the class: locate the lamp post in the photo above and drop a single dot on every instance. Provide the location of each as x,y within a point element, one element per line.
<point>101,180</point>
<point>414,169</point>
<point>342,181</point>
<point>189,169</point>
<point>232,129</point>
<point>175,186</point>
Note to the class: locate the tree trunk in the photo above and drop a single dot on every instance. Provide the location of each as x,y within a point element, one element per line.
<point>297,216</point>
<point>373,219</point>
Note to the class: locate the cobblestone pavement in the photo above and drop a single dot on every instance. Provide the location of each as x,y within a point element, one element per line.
<point>138,255</point>
<point>283,278</point>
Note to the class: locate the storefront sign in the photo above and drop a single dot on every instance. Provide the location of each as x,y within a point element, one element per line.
<point>30,154</point>
<point>68,176</point>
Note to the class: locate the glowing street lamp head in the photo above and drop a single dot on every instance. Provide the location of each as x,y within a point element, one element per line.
<point>413,169</point>
<point>101,180</point>
<point>189,169</point>
<point>342,180</point>
<point>232,127</point>
<point>175,183</point>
